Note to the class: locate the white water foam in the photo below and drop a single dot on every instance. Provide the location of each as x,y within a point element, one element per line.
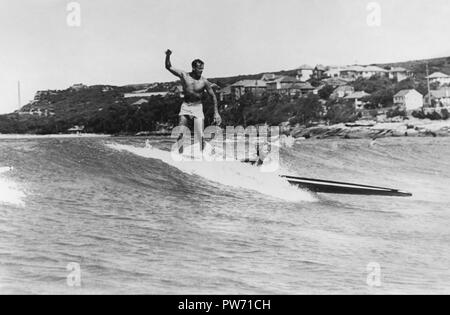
<point>230,173</point>
<point>9,191</point>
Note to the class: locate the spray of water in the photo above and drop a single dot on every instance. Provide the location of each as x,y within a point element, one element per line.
<point>10,193</point>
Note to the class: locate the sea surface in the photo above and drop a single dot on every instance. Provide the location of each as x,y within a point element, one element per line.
<point>105,215</point>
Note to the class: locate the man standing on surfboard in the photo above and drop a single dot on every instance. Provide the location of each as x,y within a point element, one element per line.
<point>193,87</point>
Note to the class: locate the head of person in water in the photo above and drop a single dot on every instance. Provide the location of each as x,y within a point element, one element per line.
<point>197,67</point>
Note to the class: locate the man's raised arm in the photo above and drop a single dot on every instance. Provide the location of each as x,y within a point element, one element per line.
<point>169,65</point>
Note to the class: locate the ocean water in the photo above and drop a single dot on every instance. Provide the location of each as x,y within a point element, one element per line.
<point>94,216</point>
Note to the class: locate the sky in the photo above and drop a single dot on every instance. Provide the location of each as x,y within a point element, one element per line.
<point>123,41</point>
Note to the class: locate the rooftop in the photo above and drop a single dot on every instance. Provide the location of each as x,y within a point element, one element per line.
<point>268,76</point>
<point>357,95</point>
<point>321,68</point>
<point>398,69</point>
<point>355,68</point>
<point>375,69</point>
<point>302,86</point>
<point>140,102</point>
<point>438,75</point>
<point>405,92</point>
<point>358,68</point>
<point>250,83</point>
<point>305,67</point>
<point>289,79</point>
<point>335,81</point>
<point>226,90</point>
<point>343,88</point>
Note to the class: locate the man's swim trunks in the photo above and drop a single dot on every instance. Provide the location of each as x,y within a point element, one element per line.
<point>194,110</point>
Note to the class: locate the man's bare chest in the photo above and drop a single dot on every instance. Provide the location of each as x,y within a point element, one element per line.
<point>194,84</point>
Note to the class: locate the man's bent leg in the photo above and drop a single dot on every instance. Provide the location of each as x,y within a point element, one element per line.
<point>198,132</point>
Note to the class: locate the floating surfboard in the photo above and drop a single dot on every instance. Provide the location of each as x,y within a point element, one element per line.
<point>332,187</point>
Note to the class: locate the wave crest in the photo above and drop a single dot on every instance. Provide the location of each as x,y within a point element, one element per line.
<point>230,173</point>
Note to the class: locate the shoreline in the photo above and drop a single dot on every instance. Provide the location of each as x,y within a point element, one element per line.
<point>60,136</point>
<point>356,130</point>
<point>374,130</point>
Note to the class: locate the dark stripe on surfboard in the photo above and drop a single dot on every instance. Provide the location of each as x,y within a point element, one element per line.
<point>334,187</point>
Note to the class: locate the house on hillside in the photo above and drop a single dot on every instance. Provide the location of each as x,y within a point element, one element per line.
<point>342,91</point>
<point>224,94</point>
<point>351,72</point>
<point>357,98</point>
<point>439,77</point>
<point>107,89</point>
<point>370,71</point>
<point>256,87</point>
<point>142,101</point>
<point>335,82</point>
<point>40,95</point>
<point>333,72</point>
<point>287,85</point>
<point>408,100</point>
<point>144,94</point>
<point>274,85</point>
<point>317,89</point>
<point>78,87</point>
<point>439,99</point>
<point>176,90</point>
<point>36,112</point>
<point>76,129</point>
<point>215,87</point>
<point>305,72</point>
<point>354,72</point>
<point>319,72</point>
<point>300,89</point>
<point>268,77</point>
<point>399,73</point>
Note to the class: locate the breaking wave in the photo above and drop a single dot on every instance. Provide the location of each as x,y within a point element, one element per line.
<point>230,173</point>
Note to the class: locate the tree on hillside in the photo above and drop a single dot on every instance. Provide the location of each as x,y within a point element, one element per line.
<point>279,111</point>
<point>383,97</point>
<point>371,85</point>
<point>406,84</point>
<point>244,104</point>
<point>434,86</point>
<point>396,112</point>
<point>422,88</point>
<point>309,109</point>
<point>341,112</point>
<point>315,82</point>
<point>325,92</point>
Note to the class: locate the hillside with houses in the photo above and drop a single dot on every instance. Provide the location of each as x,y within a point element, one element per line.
<point>304,97</point>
